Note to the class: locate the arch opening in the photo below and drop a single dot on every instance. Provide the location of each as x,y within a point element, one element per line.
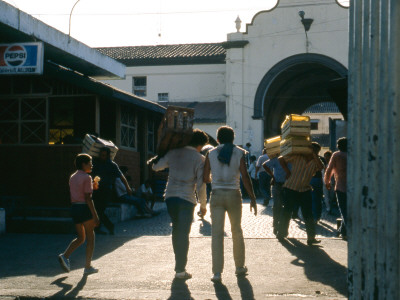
<point>295,84</point>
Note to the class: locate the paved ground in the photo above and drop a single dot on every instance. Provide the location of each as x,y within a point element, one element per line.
<point>137,263</point>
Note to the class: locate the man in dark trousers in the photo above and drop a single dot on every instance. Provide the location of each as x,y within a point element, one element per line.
<point>108,171</point>
<point>297,189</point>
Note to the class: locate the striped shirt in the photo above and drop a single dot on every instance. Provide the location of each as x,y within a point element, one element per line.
<point>301,173</point>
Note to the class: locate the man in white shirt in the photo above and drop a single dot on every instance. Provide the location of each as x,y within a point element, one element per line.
<point>224,165</point>
<point>185,177</point>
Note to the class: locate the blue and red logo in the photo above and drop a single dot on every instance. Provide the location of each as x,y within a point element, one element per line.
<point>18,56</point>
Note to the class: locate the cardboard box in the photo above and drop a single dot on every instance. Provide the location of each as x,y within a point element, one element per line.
<point>272,146</point>
<point>175,130</point>
<point>296,125</point>
<point>296,145</point>
<point>92,145</point>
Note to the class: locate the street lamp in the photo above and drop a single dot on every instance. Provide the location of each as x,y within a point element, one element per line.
<point>70,16</point>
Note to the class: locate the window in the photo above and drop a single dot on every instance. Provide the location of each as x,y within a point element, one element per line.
<point>23,121</point>
<point>139,86</point>
<point>128,127</point>
<point>61,125</point>
<point>163,97</point>
<point>314,124</point>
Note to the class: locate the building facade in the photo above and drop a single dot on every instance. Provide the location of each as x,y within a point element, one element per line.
<point>286,60</point>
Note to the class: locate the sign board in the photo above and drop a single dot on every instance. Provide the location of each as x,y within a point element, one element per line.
<point>21,58</point>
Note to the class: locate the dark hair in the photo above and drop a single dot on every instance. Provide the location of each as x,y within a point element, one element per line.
<point>105,149</point>
<point>81,159</point>
<point>253,158</point>
<point>329,152</point>
<point>199,138</point>
<point>342,144</point>
<point>316,146</point>
<point>225,134</point>
<point>248,144</point>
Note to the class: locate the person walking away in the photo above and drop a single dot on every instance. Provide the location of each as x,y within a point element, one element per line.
<point>185,176</point>
<point>224,165</point>
<point>329,195</point>
<point>316,184</point>
<point>264,179</point>
<point>338,167</point>
<point>252,173</point>
<point>108,171</point>
<point>278,174</point>
<point>83,213</point>
<point>297,189</point>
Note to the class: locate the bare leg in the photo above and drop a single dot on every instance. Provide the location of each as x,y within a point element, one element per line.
<point>90,236</point>
<point>76,242</point>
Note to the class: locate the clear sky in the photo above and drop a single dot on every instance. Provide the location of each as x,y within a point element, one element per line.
<point>102,23</point>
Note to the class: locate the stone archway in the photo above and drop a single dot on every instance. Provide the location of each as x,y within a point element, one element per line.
<point>296,83</point>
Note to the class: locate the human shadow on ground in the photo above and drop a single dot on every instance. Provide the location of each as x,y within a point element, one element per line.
<point>66,289</point>
<point>17,250</point>
<point>318,265</point>
<point>180,290</point>
<point>246,289</point>
<point>221,291</point>
<point>205,228</point>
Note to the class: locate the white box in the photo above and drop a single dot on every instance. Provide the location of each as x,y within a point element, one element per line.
<point>92,145</point>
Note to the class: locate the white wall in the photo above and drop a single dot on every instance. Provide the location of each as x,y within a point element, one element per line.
<point>323,124</point>
<point>274,36</point>
<point>186,83</point>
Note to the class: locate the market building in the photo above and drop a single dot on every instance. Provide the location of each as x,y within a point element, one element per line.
<point>50,98</point>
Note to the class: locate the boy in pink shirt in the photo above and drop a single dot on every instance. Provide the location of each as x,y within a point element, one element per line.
<point>83,212</point>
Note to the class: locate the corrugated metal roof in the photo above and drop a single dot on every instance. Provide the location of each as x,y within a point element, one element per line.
<point>206,112</point>
<point>323,107</point>
<point>211,53</point>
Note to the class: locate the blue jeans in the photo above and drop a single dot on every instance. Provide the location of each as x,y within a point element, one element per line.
<point>139,203</point>
<point>264,180</point>
<point>316,194</point>
<point>181,213</point>
<point>342,202</point>
<point>304,199</point>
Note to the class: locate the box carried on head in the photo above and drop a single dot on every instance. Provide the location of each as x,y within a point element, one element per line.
<point>296,138</point>
<point>92,145</point>
<point>176,129</point>
<point>272,146</point>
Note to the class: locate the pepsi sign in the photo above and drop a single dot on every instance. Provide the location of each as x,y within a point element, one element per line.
<point>23,58</point>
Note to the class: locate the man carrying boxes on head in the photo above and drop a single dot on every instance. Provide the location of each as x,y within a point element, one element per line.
<point>296,149</point>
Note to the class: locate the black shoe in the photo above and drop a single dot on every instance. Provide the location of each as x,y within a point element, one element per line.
<point>313,242</point>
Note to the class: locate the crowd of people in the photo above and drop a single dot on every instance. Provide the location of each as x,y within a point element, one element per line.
<point>198,173</point>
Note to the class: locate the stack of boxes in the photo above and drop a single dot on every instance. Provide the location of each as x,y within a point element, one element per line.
<point>296,135</point>
<point>175,130</point>
<point>273,146</point>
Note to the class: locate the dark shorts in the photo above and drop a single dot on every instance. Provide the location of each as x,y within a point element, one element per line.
<point>80,213</point>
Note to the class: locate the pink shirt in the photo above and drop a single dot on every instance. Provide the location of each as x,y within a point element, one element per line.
<point>338,167</point>
<point>80,183</point>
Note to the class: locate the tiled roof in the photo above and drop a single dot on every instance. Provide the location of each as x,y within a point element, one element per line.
<point>206,112</point>
<point>323,107</point>
<point>181,54</point>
